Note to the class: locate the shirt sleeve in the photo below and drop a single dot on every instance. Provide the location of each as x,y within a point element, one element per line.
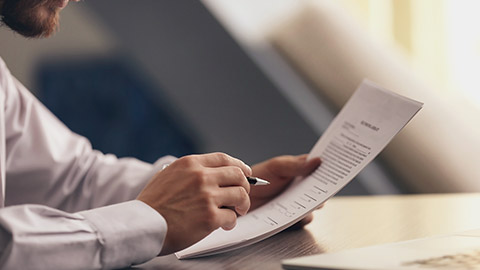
<point>48,164</point>
<point>119,235</point>
<point>69,206</point>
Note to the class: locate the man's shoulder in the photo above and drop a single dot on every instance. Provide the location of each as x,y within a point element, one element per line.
<point>3,74</point>
<point>2,64</point>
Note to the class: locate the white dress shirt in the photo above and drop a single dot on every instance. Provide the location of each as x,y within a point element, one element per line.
<point>62,204</point>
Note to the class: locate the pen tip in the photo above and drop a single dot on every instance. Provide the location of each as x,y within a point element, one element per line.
<point>262,182</point>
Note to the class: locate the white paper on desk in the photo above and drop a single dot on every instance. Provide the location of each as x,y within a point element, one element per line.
<point>365,125</point>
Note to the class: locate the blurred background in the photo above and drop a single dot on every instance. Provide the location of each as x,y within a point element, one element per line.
<point>260,78</point>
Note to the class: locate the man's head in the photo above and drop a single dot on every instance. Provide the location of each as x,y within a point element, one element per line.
<point>32,18</point>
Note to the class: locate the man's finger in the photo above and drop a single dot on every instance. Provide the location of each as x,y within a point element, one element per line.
<point>222,159</point>
<point>227,218</point>
<point>310,166</point>
<point>230,176</point>
<point>291,166</point>
<point>235,198</point>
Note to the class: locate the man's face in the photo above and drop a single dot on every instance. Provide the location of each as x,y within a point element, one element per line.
<point>32,18</point>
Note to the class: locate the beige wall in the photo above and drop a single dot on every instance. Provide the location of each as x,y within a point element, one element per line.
<point>437,151</point>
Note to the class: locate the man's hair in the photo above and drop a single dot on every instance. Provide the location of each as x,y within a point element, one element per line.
<point>30,18</point>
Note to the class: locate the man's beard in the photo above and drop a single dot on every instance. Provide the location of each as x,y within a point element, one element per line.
<point>30,18</point>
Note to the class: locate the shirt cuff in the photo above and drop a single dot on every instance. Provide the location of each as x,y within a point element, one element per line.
<point>128,233</point>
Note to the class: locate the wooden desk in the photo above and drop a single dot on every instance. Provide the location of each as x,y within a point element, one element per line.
<point>344,223</point>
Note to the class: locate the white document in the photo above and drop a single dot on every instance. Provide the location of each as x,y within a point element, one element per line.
<point>365,125</point>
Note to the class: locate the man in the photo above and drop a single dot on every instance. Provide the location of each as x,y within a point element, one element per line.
<point>66,206</point>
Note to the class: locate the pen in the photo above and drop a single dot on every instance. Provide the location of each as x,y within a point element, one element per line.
<point>257,181</point>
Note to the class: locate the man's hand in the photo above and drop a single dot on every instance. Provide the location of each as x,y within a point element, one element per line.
<point>280,171</point>
<point>196,195</point>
